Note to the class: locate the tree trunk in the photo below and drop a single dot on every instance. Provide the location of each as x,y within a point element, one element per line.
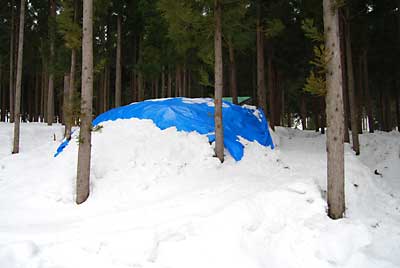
<point>271,98</point>
<point>261,97</point>
<point>350,86</point>
<point>169,93</point>
<point>65,101</point>
<point>368,93</point>
<point>232,72</point>
<point>118,63</point>
<point>163,95</point>
<point>303,111</point>
<point>11,81</point>
<point>50,96</point>
<point>344,76</point>
<point>84,153</point>
<point>69,120</point>
<point>397,95</point>
<point>334,111</point>
<point>19,78</point>
<point>219,132</point>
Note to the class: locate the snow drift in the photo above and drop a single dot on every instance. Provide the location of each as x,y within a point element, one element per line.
<point>197,115</point>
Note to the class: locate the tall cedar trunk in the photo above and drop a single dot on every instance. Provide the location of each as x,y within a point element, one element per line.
<point>388,111</point>
<point>303,111</point>
<point>1,90</point>
<point>261,97</point>
<point>140,87</point>
<point>232,73</point>
<point>397,95</point>
<point>184,86</point>
<point>350,85</point>
<point>118,63</point>
<point>367,93</point>
<point>50,96</point>
<point>37,96</point>
<point>344,76</point>
<point>334,111</point>
<point>65,101</point>
<point>219,81</point>
<point>3,104</point>
<point>69,119</point>
<point>19,78</point>
<point>163,88</point>
<point>169,93</point>
<point>11,78</point>
<point>271,98</point>
<point>84,152</point>
<point>190,84</point>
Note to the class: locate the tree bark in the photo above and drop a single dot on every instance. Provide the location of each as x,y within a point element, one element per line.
<point>219,132</point>
<point>84,152</point>
<point>169,93</point>
<point>163,95</point>
<point>368,93</point>
<point>232,72</point>
<point>334,111</point>
<point>50,96</point>
<point>65,101</point>
<point>261,94</point>
<point>19,79</point>
<point>303,111</point>
<point>69,120</point>
<point>344,76</point>
<point>271,98</point>
<point>11,78</point>
<point>350,85</point>
<point>118,63</point>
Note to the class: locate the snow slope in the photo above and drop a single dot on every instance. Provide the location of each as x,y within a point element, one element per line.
<point>159,199</point>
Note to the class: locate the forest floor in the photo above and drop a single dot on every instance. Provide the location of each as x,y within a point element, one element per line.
<point>160,199</point>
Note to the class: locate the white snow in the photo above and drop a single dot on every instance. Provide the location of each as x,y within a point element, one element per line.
<point>160,199</point>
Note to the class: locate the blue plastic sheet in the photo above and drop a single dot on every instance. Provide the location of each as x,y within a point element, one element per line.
<point>197,115</point>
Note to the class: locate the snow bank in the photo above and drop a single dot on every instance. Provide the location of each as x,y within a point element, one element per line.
<point>160,199</point>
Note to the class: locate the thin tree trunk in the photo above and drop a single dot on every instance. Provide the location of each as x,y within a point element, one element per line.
<point>50,96</point>
<point>69,120</point>
<point>350,86</point>
<point>368,93</point>
<point>37,97</point>
<point>163,89</point>
<point>397,95</point>
<point>11,80</point>
<point>334,111</point>
<point>169,94</point>
<point>19,78</point>
<point>232,72</point>
<point>303,111</point>
<point>219,81</point>
<point>271,99</point>
<point>84,152</point>
<point>65,101</point>
<point>261,94</point>
<point>1,90</point>
<point>118,63</point>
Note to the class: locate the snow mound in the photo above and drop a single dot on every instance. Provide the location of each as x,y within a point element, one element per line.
<point>197,115</point>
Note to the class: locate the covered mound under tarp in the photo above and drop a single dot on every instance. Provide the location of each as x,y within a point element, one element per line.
<point>197,115</point>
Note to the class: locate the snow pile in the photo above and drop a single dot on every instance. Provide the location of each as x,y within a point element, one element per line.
<point>196,115</point>
<point>160,199</point>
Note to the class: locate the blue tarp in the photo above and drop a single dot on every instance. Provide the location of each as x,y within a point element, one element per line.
<point>197,115</point>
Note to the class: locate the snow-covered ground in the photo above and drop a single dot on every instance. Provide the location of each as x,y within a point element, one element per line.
<point>159,199</point>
